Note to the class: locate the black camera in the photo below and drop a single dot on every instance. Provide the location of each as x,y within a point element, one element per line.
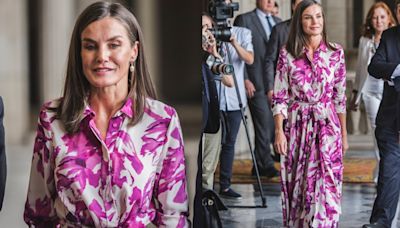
<point>220,11</point>
<point>222,33</point>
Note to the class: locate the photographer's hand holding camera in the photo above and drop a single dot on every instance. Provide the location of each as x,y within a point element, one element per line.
<point>209,45</point>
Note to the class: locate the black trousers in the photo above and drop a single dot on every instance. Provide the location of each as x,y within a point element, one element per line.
<point>263,128</point>
<point>386,201</point>
<point>232,121</point>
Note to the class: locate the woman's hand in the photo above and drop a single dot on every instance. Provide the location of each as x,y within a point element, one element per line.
<point>352,105</point>
<point>280,142</point>
<point>345,144</point>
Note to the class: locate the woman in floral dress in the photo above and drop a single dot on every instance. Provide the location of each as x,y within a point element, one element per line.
<point>309,97</point>
<point>107,154</point>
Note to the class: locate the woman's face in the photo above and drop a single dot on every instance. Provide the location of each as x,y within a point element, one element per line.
<point>107,53</point>
<point>380,20</point>
<point>312,20</point>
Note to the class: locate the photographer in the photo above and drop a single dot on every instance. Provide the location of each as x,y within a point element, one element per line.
<point>237,49</point>
<point>211,117</point>
<point>238,52</point>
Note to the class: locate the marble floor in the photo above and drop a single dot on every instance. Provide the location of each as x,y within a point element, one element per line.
<point>356,206</point>
<point>357,199</point>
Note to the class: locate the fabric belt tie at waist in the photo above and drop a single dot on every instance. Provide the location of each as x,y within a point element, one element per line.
<point>319,110</point>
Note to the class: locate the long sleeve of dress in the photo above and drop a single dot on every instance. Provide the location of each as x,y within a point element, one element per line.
<point>281,96</point>
<point>39,206</point>
<point>339,90</point>
<point>170,187</point>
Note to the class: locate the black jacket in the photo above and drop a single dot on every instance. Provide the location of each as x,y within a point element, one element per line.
<point>211,114</point>
<point>382,66</point>
<point>277,40</point>
<point>3,164</point>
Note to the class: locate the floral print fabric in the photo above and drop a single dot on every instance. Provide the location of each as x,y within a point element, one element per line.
<point>309,92</point>
<point>134,177</point>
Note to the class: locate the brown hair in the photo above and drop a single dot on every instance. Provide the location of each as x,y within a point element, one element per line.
<point>367,28</point>
<point>76,87</point>
<point>297,39</point>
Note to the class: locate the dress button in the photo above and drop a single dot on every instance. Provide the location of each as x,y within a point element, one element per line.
<point>115,125</point>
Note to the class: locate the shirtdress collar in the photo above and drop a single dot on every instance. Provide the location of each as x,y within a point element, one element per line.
<point>322,47</point>
<point>125,109</point>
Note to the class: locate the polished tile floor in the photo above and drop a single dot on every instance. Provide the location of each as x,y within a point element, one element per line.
<point>357,199</point>
<point>356,206</point>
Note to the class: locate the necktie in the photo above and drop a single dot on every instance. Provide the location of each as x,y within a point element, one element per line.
<point>269,23</point>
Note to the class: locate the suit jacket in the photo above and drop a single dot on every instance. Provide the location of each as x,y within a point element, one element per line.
<point>3,165</point>
<point>256,71</point>
<point>277,40</point>
<point>211,114</point>
<point>382,65</point>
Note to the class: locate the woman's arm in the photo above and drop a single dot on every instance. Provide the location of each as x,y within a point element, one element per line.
<point>39,206</point>
<point>280,138</point>
<point>170,186</point>
<point>339,97</point>
<point>280,100</point>
<point>342,120</point>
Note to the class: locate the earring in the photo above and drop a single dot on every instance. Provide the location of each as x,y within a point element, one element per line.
<point>132,67</point>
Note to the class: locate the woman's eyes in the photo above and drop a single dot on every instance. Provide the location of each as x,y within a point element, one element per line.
<point>114,45</point>
<point>93,47</point>
<point>89,46</point>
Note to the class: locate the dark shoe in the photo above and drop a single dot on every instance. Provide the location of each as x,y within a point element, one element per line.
<point>253,172</point>
<point>375,225</point>
<point>230,194</point>
<point>272,172</point>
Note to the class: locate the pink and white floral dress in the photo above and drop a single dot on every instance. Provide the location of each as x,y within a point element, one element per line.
<point>309,93</point>
<point>133,177</point>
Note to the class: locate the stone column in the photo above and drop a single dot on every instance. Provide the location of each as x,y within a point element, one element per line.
<point>147,15</point>
<point>57,24</point>
<point>285,9</point>
<point>336,21</point>
<point>14,68</point>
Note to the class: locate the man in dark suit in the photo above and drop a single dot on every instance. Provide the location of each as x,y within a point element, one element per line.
<point>3,166</point>
<point>260,22</point>
<point>385,64</point>
<point>278,38</point>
